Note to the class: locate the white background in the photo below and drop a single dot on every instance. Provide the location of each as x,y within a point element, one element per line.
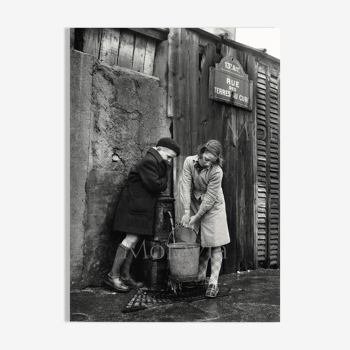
<point>35,175</point>
<point>261,38</point>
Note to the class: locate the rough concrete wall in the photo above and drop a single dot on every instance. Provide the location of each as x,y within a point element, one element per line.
<point>80,121</point>
<point>129,115</point>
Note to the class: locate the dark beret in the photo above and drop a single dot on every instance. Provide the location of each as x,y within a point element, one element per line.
<point>169,143</point>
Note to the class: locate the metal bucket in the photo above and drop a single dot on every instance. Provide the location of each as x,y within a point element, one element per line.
<point>183,261</point>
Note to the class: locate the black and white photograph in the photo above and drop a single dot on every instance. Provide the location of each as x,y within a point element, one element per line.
<point>174,176</point>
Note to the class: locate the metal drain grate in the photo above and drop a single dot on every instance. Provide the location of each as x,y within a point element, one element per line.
<point>143,299</point>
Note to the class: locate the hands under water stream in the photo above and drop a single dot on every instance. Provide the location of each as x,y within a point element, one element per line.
<point>189,221</point>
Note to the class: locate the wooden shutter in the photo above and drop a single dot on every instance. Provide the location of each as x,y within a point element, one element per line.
<point>274,165</point>
<point>268,187</point>
<point>262,162</point>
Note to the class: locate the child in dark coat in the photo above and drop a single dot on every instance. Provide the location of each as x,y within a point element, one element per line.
<point>135,211</point>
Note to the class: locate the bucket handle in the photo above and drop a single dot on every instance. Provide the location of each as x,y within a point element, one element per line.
<point>175,228</point>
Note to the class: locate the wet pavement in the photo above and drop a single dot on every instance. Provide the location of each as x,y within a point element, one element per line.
<point>254,297</point>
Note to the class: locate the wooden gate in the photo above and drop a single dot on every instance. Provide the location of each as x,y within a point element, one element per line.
<point>249,177</point>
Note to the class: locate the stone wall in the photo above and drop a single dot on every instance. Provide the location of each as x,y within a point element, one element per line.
<point>80,121</point>
<point>128,115</point>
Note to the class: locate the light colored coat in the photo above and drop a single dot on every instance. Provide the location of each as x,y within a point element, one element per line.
<point>202,194</point>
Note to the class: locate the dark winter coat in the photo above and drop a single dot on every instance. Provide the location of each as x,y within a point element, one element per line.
<point>135,211</point>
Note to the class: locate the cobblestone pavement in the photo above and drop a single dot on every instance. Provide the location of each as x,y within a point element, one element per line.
<point>254,297</point>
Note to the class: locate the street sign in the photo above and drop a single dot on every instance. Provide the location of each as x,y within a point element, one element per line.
<point>228,83</point>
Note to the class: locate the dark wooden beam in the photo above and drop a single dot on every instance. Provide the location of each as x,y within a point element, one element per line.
<point>159,34</point>
<point>236,45</point>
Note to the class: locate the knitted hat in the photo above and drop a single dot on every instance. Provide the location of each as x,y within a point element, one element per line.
<point>169,143</point>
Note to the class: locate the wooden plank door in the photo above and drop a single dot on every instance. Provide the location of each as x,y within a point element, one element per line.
<point>196,119</point>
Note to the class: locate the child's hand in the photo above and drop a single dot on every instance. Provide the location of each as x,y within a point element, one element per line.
<point>185,219</point>
<point>193,220</point>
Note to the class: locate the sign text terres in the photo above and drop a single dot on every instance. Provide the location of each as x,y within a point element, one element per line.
<point>228,83</point>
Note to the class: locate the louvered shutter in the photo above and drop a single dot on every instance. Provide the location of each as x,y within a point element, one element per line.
<point>267,144</point>
<point>274,203</point>
<point>261,168</point>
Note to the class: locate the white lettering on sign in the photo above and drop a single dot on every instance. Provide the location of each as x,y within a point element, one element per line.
<point>222,91</point>
<point>231,66</point>
<point>230,93</point>
<point>243,98</point>
<point>232,82</point>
